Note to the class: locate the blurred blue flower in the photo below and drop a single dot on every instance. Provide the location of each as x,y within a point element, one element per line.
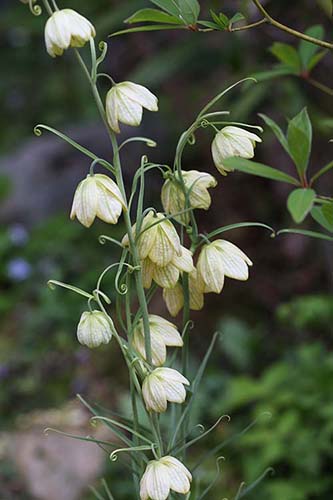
<point>18,234</point>
<point>18,269</point>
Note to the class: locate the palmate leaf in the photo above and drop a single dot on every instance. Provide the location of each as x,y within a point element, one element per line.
<point>300,203</point>
<point>254,168</point>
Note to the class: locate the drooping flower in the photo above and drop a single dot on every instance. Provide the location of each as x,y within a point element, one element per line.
<point>163,385</point>
<point>174,299</point>
<point>163,475</point>
<point>97,196</point>
<point>94,329</point>
<point>162,334</point>
<point>197,185</point>
<point>219,259</point>
<point>125,102</point>
<point>167,276</point>
<point>67,28</point>
<point>232,141</point>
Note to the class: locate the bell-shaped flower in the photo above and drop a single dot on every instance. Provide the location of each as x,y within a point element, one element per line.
<point>174,299</point>
<point>219,259</point>
<point>196,184</point>
<point>94,329</point>
<point>163,385</point>
<point>167,276</point>
<point>125,102</point>
<point>97,196</point>
<point>163,475</point>
<point>67,28</point>
<point>232,141</point>
<point>162,334</point>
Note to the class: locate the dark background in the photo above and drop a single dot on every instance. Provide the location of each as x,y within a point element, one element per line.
<point>275,353</point>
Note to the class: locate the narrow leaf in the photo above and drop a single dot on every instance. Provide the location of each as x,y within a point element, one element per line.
<point>148,27</point>
<point>299,136</point>
<point>254,168</point>
<point>303,232</point>
<point>152,15</point>
<point>300,203</point>
<point>169,6</point>
<point>277,131</point>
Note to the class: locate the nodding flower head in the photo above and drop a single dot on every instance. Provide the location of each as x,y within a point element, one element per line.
<point>162,334</point>
<point>164,475</point>
<point>97,196</point>
<point>67,28</point>
<point>94,329</point>
<point>125,102</point>
<point>232,141</point>
<point>219,259</point>
<point>163,385</point>
<point>196,184</point>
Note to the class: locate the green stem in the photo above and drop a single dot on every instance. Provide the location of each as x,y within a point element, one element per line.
<point>248,26</point>
<point>291,31</point>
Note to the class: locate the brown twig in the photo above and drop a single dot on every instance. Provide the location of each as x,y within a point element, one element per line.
<point>291,31</point>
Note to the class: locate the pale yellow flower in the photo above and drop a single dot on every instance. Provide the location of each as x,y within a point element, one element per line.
<point>97,196</point>
<point>219,259</point>
<point>66,28</point>
<point>232,141</point>
<point>94,329</point>
<point>174,299</point>
<point>125,102</point>
<point>163,334</point>
<point>197,185</point>
<point>163,385</point>
<point>163,475</point>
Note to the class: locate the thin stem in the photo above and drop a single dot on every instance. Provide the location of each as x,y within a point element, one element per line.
<point>248,26</point>
<point>319,85</point>
<point>48,7</point>
<point>291,31</point>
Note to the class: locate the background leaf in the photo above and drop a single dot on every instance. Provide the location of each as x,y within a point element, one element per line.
<point>286,54</point>
<point>299,136</point>
<point>307,50</point>
<point>152,15</point>
<point>254,168</point>
<point>300,203</point>
<point>318,216</point>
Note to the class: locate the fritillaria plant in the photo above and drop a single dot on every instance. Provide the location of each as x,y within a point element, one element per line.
<point>160,250</point>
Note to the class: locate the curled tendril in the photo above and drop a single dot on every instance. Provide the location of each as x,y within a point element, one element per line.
<point>204,123</point>
<point>98,292</point>
<point>36,10</point>
<point>218,472</point>
<point>191,140</point>
<point>188,326</point>
<point>103,239</point>
<point>37,131</point>
<point>103,47</point>
<point>114,454</point>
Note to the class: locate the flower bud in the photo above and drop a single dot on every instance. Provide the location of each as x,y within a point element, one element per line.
<point>94,329</point>
<point>163,385</point>
<point>164,475</point>
<point>97,196</point>
<point>196,184</point>
<point>66,28</point>
<point>162,334</point>
<point>232,141</point>
<point>219,259</point>
<point>125,102</point>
